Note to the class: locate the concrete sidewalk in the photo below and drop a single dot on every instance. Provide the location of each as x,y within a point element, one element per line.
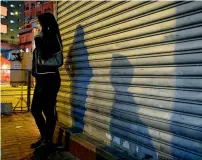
<point>18,131</point>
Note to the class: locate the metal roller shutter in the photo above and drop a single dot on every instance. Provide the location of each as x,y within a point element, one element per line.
<point>136,75</point>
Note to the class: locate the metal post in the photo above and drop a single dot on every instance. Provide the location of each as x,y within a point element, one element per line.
<point>29,90</point>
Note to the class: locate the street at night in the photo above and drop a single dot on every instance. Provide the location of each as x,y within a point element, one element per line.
<point>101,80</point>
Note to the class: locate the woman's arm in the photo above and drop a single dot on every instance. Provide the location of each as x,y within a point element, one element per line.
<point>51,45</point>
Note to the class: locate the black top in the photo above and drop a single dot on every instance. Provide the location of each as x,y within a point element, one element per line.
<point>41,70</point>
<point>46,77</point>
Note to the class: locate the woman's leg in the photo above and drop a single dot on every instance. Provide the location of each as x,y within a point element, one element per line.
<point>49,111</point>
<point>36,110</point>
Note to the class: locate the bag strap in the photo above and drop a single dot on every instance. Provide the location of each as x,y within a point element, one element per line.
<point>59,44</point>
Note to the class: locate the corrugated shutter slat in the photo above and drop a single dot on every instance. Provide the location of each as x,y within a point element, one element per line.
<point>132,75</point>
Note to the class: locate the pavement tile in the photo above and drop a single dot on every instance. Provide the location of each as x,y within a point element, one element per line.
<point>15,142</point>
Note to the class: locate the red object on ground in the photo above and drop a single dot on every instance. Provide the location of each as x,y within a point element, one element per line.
<point>5,70</point>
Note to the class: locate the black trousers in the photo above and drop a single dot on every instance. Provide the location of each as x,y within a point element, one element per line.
<point>44,101</point>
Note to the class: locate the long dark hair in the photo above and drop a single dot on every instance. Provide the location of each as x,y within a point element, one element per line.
<point>49,26</point>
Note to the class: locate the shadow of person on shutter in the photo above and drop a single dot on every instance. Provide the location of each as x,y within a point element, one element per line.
<point>77,60</point>
<point>127,129</point>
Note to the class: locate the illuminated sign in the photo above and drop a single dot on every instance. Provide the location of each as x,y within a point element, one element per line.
<point>3,11</point>
<point>3,28</point>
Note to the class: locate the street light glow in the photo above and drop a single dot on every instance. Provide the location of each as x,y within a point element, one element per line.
<point>4,66</point>
<point>12,21</point>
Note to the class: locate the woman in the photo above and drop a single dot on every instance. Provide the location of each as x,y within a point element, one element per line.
<point>47,42</point>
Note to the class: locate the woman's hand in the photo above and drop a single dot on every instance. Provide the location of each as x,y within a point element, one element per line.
<point>36,31</point>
